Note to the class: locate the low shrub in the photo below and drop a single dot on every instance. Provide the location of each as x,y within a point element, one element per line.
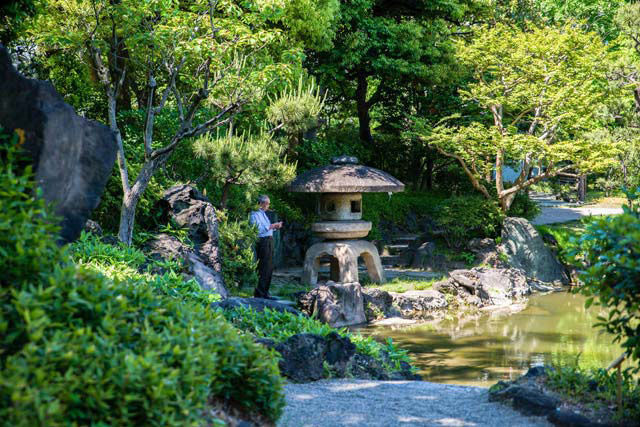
<point>523,206</point>
<point>465,217</point>
<point>597,388</point>
<point>239,266</point>
<point>608,256</point>
<point>281,325</point>
<point>126,264</point>
<point>378,207</point>
<point>79,348</point>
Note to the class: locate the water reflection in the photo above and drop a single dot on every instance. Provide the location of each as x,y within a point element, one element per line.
<point>554,327</point>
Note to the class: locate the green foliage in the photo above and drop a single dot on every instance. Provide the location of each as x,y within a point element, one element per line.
<point>379,207</point>
<point>523,206</point>
<point>333,142</point>
<point>12,17</point>
<point>147,216</point>
<point>540,92</point>
<point>296,110</point>
<point>281,325</point>
<point>238,264</point>
<point>597,388</point>
<point>609,251</point>
<point>126,264</point>
<point>566,234</point>
<point>24,221</point>
<point>243,160</point>
<point>465,217</point>
<point>79,348</point>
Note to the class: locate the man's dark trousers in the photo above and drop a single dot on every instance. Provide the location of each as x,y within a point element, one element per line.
<point>264,252</point>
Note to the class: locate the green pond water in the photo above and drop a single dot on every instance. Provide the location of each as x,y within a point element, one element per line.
<point>553,328</point>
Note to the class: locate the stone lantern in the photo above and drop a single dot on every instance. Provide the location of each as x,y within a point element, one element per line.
<point>341,185</point>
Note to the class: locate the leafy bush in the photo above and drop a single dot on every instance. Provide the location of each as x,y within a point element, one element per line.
<point>236,248</point>
<point>77,348</point>
<point>609,250</point>
<point>524,207</point>
<point>597,388</point>
<point>465,217</point>
<point>378,207</point>
<point>123,263</point>
<point>280,325</point>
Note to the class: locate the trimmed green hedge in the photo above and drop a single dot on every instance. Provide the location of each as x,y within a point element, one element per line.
<point>79,348</point>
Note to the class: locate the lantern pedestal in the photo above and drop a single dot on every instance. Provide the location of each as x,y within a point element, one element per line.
<point>344,261</point>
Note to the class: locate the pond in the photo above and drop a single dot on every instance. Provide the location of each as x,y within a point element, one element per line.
<point>554,327</point>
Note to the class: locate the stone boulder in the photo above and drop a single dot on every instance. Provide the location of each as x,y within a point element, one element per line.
<point>337,304</point>
<point>487,252</point>
<point>165,246</point>
<point>302,357</point>
<point>72,157</point>
<point>526,250</point>
<point>420,304</point>
<point>423,256</point>
<point>378,304</point>
<point>189,208</point>
<point>366,367</point>
<point>487,286</point>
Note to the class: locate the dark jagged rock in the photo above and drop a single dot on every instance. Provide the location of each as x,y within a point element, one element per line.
<point>258,304</point>
<point>414,304</point>
<point>165,246</point>
<point>338,352</point>
<point>422,256</point>
<point>527,400</point>
<point>366,367</point>
<point>72,157</point>
<point>571,419</point>
<point>92,227</point>
<point>190,209</point>
<point>302,357</point>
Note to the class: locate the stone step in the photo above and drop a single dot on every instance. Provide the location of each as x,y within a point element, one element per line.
<point>407,238</point>
<point>396,249</point>
<point>392,260</point>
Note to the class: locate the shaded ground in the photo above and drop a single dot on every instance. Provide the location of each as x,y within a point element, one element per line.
<point>395,403</point>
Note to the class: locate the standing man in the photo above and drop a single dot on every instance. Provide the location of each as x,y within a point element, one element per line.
<point>264,246</point>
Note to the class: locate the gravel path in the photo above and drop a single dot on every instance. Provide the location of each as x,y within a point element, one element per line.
<point>395,403</point>
<point>553,214</point>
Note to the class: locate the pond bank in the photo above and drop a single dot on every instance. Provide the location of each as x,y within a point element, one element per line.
<point>484,349</point>
<point>395,403</point>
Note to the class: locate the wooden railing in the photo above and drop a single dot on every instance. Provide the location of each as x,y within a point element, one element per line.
<point>618,364</point>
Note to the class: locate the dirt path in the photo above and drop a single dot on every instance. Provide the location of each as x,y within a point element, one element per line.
<point>395,403</point>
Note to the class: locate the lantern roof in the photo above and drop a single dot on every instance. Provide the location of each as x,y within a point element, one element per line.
<point>345,175</point>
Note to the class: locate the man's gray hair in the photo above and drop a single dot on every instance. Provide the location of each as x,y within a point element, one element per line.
<point>262,198</point>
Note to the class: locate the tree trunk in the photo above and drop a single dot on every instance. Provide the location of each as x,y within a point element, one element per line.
<point>429,173</point>
<point>506,201</point>
<point>127,219</point>
<point>225,195</point>
<point>364,120</point>
<point>131,198</point>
